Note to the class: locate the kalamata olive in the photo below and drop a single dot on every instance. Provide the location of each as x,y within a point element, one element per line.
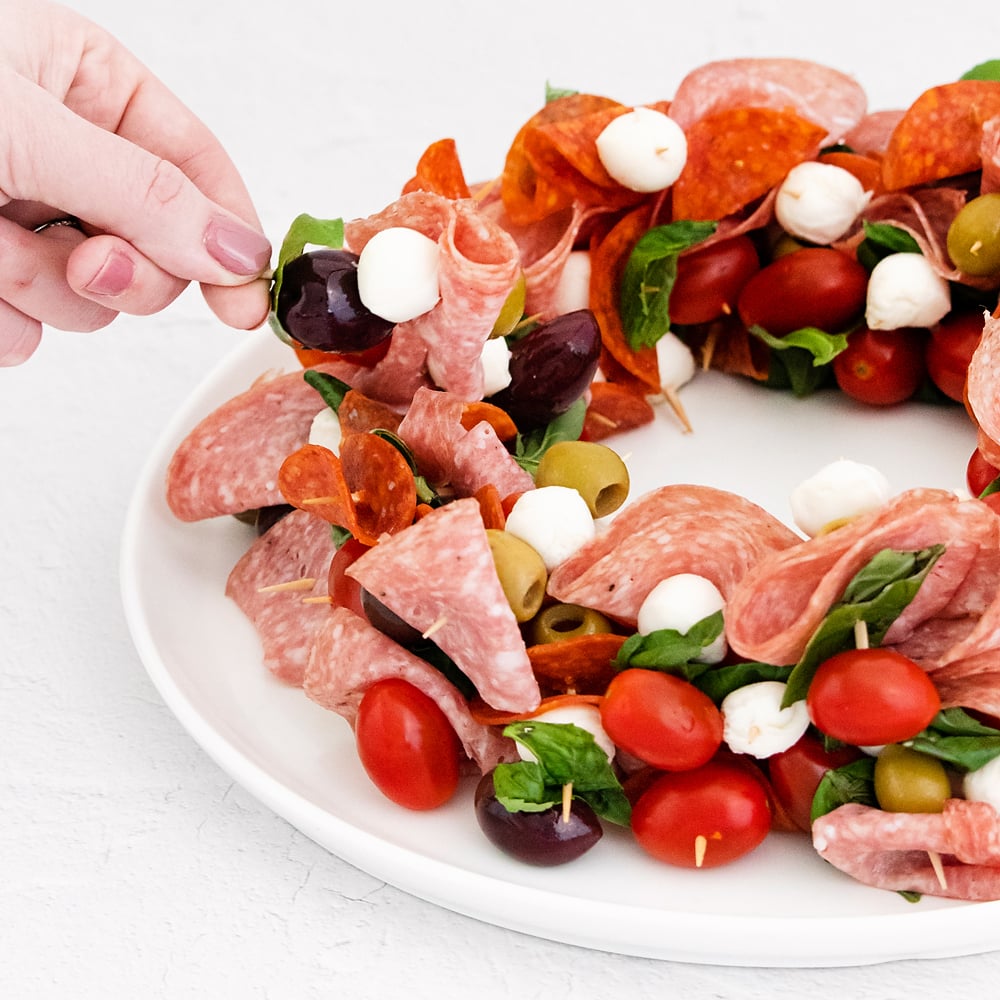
<point>566,621</point>
<point>550,368</point>
<point>319,305</point>
<point>537,838</point>
<point>974,236</point>
<point>512,309</point>
<point>594,470</point>
<point>909,781</point>
<point>521,572</point>
<point>388,622</point>
<point>262,518</point>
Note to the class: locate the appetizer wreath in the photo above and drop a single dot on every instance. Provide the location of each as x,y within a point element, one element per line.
<point>447,554</point>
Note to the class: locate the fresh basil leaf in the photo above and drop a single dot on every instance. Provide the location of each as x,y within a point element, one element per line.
<point>822,347</point>
<point>993,487</point>
<point>521,787</point>
<point>339,535</point>
<point>800,359</point>
<point>330,388</point>
<point>854,782</point>
<point>957,738</point>
<point>880,608</point>
<point>667,649</point>
<point>304,230</point>
<point>989,70</point>
<point>568,426</point>
<point>720,681</point>
<point>881,240</point>
<point>554,93</point>
<point>566,754</point>
<point>649,277</point>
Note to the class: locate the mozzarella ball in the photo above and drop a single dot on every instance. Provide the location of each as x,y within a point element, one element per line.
<point>325,430</point>
<point>496,365</point>
<point>983,784</point>
<point>643,150</point>
<point>554,520</point>
<point>838,492</point>
<point>573,290</point>
<point>398,274</point>
<point>905,290</point>
<point>675,361</point>
<point>819,202</point>
<point>586,717</point>
<point>753,721</point>
<point>677,603</point>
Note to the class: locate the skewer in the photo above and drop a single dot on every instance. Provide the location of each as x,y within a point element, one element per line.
<point>861,634</point>
<point>700,846</point>
<point>567,800</point>
<point>938,867</point>
<point>318,599</point>
<point>435,626</point>
<point>303,583</point>
<point>672,397</point>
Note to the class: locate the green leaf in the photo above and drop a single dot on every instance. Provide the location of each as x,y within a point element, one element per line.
<point>993,487</point>
<point>989,70</point>
<point>957,738</point>
<point>881,240</point>
<point>568,426</point>
<point>521,787</point>
<point>800,358</point>
<point>305,230</point>
<point>885,586</point>
<point>720,681</point>
<point>331,389</point>
<point>554,93</point>
<point>667,649</point>
<point>854,782</point>
<point>649,278</point>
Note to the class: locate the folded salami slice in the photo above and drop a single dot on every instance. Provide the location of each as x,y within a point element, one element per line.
<point>297,548</point>
<point>348,655</point>
<point>984,386</point>
<point>229,462</point>
<point>479,265</point>
<point>890,850</point>
<point>781,601</point>
<point>673,529</point>
<point>439,576</point>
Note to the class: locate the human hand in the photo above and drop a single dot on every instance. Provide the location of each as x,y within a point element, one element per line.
<point>89,132</point>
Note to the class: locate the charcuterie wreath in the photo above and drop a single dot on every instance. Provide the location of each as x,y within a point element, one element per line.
<point>447,553</point>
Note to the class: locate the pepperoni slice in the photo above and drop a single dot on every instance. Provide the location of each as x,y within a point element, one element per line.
<point>491,506</point>
<point>312,479</point>
<point>381,484</point>
<point>940,134</point>
<point>867,169</point>
<point>486,715</point>
<point>615,407</point>
<point>738,155</point>
<point>439,170</point>
<point>359,414</point>
<point>581,664</point>
<point>498,418</point>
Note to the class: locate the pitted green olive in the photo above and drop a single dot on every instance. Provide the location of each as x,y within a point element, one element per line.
<point>512,310</point>
<point>521,571</point>
<point>594,470</point>
<point>974,236</point>
<point>910,781</point>
<point>558,622</point>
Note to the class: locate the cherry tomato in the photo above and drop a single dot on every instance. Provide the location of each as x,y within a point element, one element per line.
<point>407,745</point>
<point>702,818</point>
<point>661,719</point>
<point>979,473</point>
<point>951,346</point>
<point>815,286</point>
<point>709,281</point>
<point>867,697</point>
<point>345,590</point>
<point>796,772</point>
<point>881,367</point>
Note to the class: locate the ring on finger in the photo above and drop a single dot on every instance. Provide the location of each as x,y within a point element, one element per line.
<point>70,221</point>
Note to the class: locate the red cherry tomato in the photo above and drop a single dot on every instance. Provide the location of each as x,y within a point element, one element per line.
<point>867,697</point>
<point>407,745</point>
<point>815,286</point>
<point>796,772</point>
<point>709,281</point>
<point>661,719</point>
<point>345,590</point>
<point>979,473</point>
<point>702,818</point>
<point>951,346</point>
<point>881,367</point>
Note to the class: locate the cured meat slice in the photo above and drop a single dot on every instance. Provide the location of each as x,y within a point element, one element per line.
<point>479,265</point>
<point>480,459</point>
<point>229,462</point>
<point>439,576</point>
<point>297,548</point>
<point>673,529</point>
<point>348,655</point>
<point>818,93</point>
<point>984,383</point>
<point>890,850</point>
<point>870,136</point>
<point>781,601</point>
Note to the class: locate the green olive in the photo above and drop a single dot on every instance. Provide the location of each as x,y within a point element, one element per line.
<point>910,781</point>
<point>566,621</point>
<point>512,310</point>
<point>594,470</point>
<point>974,236</point>
<point>521,571</point>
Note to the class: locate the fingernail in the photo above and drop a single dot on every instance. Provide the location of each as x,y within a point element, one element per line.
<point>237,248</point>
<point>114,276</point>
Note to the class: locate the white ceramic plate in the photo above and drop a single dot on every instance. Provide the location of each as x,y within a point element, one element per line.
<point>781,906</point>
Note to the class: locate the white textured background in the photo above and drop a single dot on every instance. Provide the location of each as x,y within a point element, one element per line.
<point>130,865</point>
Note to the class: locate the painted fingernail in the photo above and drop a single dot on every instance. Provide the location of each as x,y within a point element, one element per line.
<point>237,248</point>
<point>114,276</point>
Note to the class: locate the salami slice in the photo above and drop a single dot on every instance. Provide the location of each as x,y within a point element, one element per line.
<point>673,529</point>
<point>348,655</point>
<point>890,850</point>
<point>229,462</point>
<point>439,576</point>
<point>984,382</point>
<point>295,550</point>
<point>820,94</point>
